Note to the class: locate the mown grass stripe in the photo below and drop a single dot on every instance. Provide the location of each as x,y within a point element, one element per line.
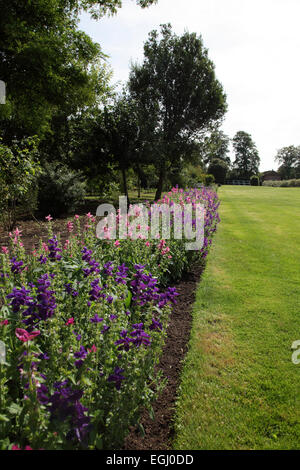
<point>239,388</point>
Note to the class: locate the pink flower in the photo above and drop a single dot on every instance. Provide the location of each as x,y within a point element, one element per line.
<point>16,447</point>
<point>45,246</point>
<point>70,226</point>
<point>76,217</point>
<point>147,244</point>
<point>161,244</point>
<point>92,349</point>
<point>117,243</point>
<point>4,250</point>
<point>17,232</point>
<point>4,322</point>
<point>66,245</point>
<point>49,218</point>
<point>89,215</point>
<point>24,336</point>
<point>70,321</point>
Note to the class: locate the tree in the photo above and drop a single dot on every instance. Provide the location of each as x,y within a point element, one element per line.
<point>216,145</point>
<point>254,180</point>
<point>19,168</point>
<point>110,139</point>
<point>289,159</point>
<point>219,169</point>
<point>246,155</point>
<point>47,63</point>
<point>177,89</point>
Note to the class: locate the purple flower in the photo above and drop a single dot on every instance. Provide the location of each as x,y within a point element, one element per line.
<point>117,377</point>
<point>78,337</point>
<point>155,325</point>
<point>96,319</point>
<point>42,394</point>
<point>96,292</point>
<point>169,296</point>
<point>140,336</point>
<point>121,275</point>
<point>80,356</point>
<point>144,287</point>
<point>70,290</point>
<point>44,356</point>
<point>16,266</point>
<point>87,257</point>
<point>108,269</point>
<point>105,329</point>
<point>124,342</point>
<point>54,251</point>
<point>19,297</point>
<point>64,405</point>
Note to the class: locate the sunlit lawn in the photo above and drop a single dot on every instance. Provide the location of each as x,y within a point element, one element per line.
<point>240,389</point>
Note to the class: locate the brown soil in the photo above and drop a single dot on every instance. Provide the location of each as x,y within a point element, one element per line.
<point>159,433</point>
<point>32,231</point>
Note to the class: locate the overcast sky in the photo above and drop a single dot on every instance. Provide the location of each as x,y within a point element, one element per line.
<point>255,45</point>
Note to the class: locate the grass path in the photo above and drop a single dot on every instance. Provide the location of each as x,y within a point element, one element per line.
<point>240,389</point>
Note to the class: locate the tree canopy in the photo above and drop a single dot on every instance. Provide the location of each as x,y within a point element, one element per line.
<point>49,66</point>
<point>177,88</point>
<point>215,145</point>
<point>289,160</point>
<point>247,159</point>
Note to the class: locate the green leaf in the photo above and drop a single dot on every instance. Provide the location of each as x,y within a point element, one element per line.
<point>127,301</point>
<point>99,443</point>
<point>142,430</point>
<point>14,409</point>
<point>4,418</point>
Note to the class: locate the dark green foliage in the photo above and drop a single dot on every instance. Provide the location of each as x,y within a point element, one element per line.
<point>254,180</point>
<point>61,190</point>
<point>295,183</point>
<point>215,146</point>
<point>219,169</point>
<point>19,168</point>
<point>209,180</point>
<point>289,159</point>
<point>177,89</point>
<point>246,155</point>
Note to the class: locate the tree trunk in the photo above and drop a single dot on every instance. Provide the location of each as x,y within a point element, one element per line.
<point>139,184</point>
<point>160,184</point>
<point>125,185</point>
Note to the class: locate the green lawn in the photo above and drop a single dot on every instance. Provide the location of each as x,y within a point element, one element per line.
<point>240,389</point>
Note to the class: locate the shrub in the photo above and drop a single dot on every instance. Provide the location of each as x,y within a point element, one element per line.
<point>19,168</point>
<point>209,180</point>
<point>61,190</point>
<point>218,168</point>
<point>254,180</point>
<point>283,184</point>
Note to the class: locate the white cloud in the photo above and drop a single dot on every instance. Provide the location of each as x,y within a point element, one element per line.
<point>254,45</point>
